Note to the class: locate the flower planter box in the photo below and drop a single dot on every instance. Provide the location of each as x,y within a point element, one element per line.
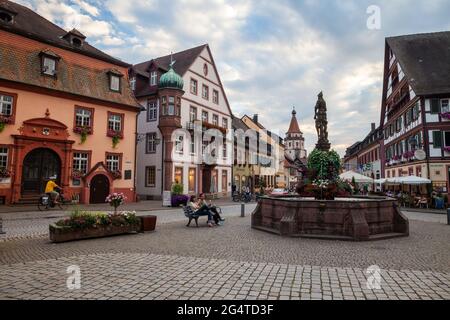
<point>63,234</point>
<point>148,223</point>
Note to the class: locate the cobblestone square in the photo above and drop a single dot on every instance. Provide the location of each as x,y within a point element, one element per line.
<point>231,262</point>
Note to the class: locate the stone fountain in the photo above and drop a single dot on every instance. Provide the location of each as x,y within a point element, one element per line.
<point>325,217</point>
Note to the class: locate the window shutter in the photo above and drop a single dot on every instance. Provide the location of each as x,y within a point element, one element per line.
<point>434,105</point>
<point>437,139</point>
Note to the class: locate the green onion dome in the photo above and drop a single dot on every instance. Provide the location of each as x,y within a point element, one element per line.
<point>171,79</point>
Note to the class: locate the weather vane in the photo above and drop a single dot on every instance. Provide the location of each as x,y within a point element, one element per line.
<point>172,62</point>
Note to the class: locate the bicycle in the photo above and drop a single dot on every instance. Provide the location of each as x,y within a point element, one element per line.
<point>46,202</point>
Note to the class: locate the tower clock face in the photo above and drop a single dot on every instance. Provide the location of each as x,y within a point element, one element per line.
<point>205,69</point>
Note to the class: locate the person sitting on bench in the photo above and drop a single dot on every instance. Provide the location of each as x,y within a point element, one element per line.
<point>202,210</point>
<point>213,209</point>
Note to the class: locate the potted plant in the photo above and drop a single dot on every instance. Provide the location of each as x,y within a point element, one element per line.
<point>83,131</point>
<point>77,174</point>
<point>116,200</point>
<point>116,136</point>
<point>4,120</point>
<point>84,225</point>
<point>177,197</point>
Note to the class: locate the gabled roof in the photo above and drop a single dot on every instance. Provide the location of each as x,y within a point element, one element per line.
<point>424,59</point>
<point>184,60</point>
<point>237,124</point>
<point>31,25</point>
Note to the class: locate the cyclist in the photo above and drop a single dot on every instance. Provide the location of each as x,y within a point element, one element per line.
<point>52,189</point>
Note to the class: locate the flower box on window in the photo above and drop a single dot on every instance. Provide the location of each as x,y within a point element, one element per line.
<point>445,115</point>
<point>77,174</point>
<point>83,131</point>
<point>113,133</point>
<point>447,149</point>
<point>5,173</point>
<point>4,120</point>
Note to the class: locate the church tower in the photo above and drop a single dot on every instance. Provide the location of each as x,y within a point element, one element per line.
<point>294,141</point>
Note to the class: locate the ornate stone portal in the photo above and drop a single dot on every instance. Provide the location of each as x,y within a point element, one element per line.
<point>321,124</point>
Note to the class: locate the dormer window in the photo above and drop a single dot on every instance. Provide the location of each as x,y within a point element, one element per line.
<point>115,80</point>
<point>6,17</point>
<point>49,66</point>
<point>153,78</point>
<point>75,37</point>
<point>49,63</point>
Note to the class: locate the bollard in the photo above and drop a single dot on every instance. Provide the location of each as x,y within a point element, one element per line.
<point>242,210</point>
<point>1,226</point>
<point>448,216</point>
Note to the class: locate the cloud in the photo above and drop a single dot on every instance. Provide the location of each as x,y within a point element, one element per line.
<point>271,55</point>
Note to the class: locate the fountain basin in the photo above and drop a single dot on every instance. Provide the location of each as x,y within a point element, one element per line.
<point>355,219</point>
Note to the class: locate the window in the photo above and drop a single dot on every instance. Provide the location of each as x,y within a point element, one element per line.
<point>447,139</point>
<point>152,112</point>
<point>113,162</point>
<point>6,17</point>
<point>191,178</point>
<point>115,122</point>
<point>6,105</point>
<point>179,144</point>
<point>216,96</point>
<point>445,106</point>
<point>215,119</point>
<point>150,142</point>
<point>437,139</point>
<point>83,117</point>
<point>192,146</point>
<point>153,78</point>
<point>114,84</point>
<point>435,106</point>
<point>204,116</point>
<point>133,83</point>
<point>205,92</point>
<point>49,66</point>
<point>224,181</point>
<point>81,162</point>
<point>225,123</point>
<point>194,86</point>
<point>224,151</point>
<point>171,109</point>
<point>192,114</point>
<point>205,69</point>
<point>179,175</point>
<point>150,176</point>
<point>3,157</point>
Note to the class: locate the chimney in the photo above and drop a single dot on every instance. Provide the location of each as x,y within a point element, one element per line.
<point>255,118</point>
<point>373,127</point>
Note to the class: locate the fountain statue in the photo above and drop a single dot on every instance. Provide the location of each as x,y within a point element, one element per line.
<point>321,124</point>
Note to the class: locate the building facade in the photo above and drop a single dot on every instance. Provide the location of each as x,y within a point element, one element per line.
<point>269,170</point>
<point>295,154</point>
<point>364,156</point>
<point>184,102</point>
<point>66,110</point>
<point>415,108</point>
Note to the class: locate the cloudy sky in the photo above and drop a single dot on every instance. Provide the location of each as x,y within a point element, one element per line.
<point>271,55</point>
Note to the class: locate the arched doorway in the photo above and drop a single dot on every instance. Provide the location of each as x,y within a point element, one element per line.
<point>99,189</point>
<point>38,165</point>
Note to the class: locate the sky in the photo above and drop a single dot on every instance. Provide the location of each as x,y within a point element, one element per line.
<point>271,55</point>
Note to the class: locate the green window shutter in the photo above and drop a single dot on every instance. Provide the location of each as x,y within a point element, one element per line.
<point>437,139</point>
<point>435,106</point>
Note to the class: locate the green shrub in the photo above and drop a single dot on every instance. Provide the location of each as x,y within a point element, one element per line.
<point>324,165</point>
<point>177,189</point>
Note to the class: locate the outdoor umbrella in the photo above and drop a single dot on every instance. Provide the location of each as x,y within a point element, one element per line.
<point>359,178</point>
<point>412,180</point>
